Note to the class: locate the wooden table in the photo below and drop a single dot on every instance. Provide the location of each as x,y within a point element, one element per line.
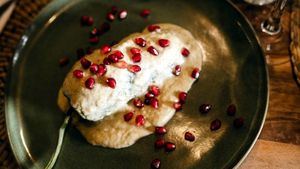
<point>279,142</point>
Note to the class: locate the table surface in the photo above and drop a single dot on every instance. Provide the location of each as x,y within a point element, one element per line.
<point>279,143</point>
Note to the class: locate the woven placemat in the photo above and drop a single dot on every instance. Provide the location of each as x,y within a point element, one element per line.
<point>22,16</point>
<point>295,39</point>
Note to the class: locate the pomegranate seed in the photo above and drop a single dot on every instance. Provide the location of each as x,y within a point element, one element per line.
<point>80,53</point>
<point>106,61</point>
<point>84,19</point>
<point>159,143</point>
<point>101,70</point>
<point>85,63</point>
<point>105,49</point>
<point>94,68</point>
<point>195,73</point>
<point>185,52</point>
<point>78,74</point>
<point>110,17</point>
<point>160,130</point>
<point>114,10</point>
<point>147,101</point>
<point>231,109</point>
<point>163,42</point>
<point>134,68</point>
<point>145,13</point>
<point>89,83</point>
<point>152,28</point>
<point>128,116</point>
<point>122,14</point>
<point>140,41</point>
<point>152,50</point>
<point>154,90</point>
<point>111,82</point>
<point>205,108</point>
<point>135,51</point>
<point>177,106</point>
<point>215,125</point>
<point>155,164</point>
<point>121,64</point>
<point>139,120</point>
<point>63,61</point>
<point>94,40</point>
<point>119,54</point>
<point>138,103</point>
<point>89,50</point>
<point>238,122</point>
<point>154,103</point>
<point>136,57</point>
<point>177,70</point>
<point>94,32</point>
<point>87,20</point>
<point>169,146</point>
<point>113,58</point>
<point>105,27</point>
<point>182,97</point>
<point>189,136</point>
<point>149,95</point>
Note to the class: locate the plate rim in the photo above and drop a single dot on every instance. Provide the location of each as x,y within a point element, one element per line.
<point>50,9</point>
<point>241,160</point>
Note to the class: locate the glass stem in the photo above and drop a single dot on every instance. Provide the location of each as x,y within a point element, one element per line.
<point>272,25</point>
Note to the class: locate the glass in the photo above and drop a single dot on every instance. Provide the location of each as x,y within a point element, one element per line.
<point>259,2</point>
<point>273,38</point>
<point>272,26</point>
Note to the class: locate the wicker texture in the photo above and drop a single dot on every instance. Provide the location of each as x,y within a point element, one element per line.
<point>295,39</point>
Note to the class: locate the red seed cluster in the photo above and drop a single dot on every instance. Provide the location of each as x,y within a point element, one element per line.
<point>139,120</point>
<point>160,130</point>
<point>159,143</point>
<point>177,70</point>
<point>87,20</point>
<point>136,54</point>
<point>94,68</point>
<point>85,63</point>
<point>215,125</point>
<point>177,106</point>
<point>122,14</point>
<point>155,164</point>
<point>134,68</point>
<point>137,102</point>
<point>89,83</point>
<point>195,73</point>
<point>128,116</point>
<point>189,136</point>
<point>152,50</point>
<point>145,13</point>
<point>163,42</point>
<point>153,28</point>
<point>169,146</point>
<point>101,69</point>
<point>111,82</point>
<point>140,41</point>
<point>78,74</point>
<point>185,52</point>
<point>105,49</point>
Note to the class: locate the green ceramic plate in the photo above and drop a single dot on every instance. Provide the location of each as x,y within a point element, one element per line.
<point>234,71</point>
